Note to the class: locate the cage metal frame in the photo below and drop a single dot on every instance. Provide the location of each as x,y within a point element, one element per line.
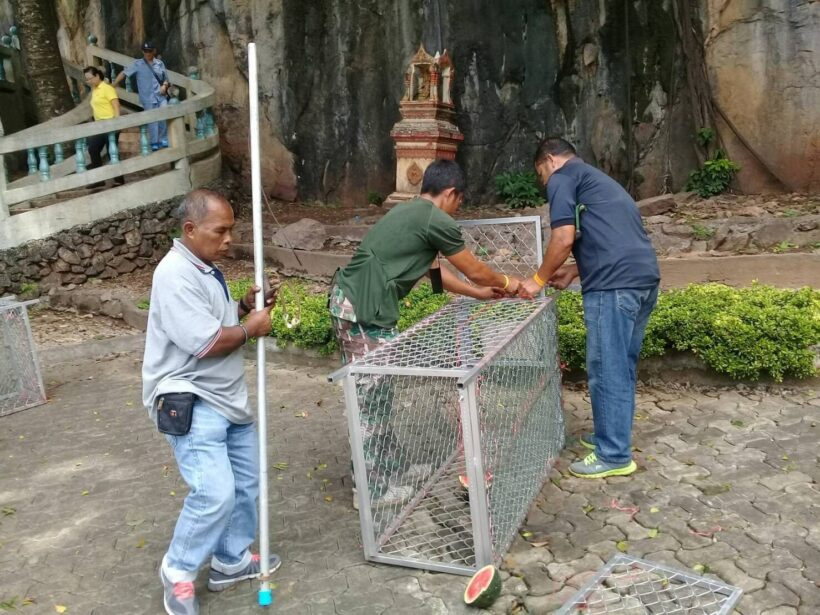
<point>537,249</point>
<point>7,304</point>
<point>479,504</point>
<point>578,601</point>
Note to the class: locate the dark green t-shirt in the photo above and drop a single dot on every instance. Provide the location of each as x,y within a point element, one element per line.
<point>393,256</point>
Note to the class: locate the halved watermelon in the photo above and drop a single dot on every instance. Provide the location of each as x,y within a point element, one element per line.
<point>465,482</point>
<point>484,588</point>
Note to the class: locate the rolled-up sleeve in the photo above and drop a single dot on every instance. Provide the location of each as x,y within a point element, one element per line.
<point>187,315</point>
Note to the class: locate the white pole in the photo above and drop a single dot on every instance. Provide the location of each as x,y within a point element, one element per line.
<point>265,594</point>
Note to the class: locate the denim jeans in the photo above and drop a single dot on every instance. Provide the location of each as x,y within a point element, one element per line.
<point>615,322</point>
<point>220,462</point>
<point>157,131</point>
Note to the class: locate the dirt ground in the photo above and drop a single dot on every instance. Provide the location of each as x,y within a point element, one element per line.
<point>693,207</point>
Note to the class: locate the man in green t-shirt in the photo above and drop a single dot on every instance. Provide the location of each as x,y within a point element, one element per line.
<point>364,305</point>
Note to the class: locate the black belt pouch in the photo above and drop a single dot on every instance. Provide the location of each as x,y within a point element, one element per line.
<point>175,411</point>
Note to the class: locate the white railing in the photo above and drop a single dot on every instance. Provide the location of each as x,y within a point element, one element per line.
<point>53,157</point>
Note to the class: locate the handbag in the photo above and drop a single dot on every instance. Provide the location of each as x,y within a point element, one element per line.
<point>175,412</point>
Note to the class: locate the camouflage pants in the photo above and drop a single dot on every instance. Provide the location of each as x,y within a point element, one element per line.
<point>383,455</point>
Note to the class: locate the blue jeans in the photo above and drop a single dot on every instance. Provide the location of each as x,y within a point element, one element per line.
<point>157,131</point>
<point>220,462</point>
<point>615,322</point>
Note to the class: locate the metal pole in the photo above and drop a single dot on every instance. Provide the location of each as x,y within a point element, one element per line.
<point>265,594</point>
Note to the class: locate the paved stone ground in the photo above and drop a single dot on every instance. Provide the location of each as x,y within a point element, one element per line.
<point>89,494</point>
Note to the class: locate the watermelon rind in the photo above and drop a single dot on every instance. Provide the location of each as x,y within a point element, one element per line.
<point>480,593</point>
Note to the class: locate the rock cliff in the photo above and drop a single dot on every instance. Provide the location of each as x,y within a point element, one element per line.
<point>609,75</point>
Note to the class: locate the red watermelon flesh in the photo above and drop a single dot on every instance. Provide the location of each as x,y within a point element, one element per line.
<point>484,588</point>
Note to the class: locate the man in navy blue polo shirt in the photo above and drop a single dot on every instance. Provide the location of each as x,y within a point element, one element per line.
<point>596,220</point>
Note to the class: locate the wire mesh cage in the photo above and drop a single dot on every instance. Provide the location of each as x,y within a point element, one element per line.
<point>510,245</point>
<point>454,426</point>
<point>21,385</point>
<point>627,585</point>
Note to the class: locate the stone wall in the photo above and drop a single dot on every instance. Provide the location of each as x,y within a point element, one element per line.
<point>110,247</point>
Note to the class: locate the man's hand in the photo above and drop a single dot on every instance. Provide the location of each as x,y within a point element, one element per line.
<point>513,286</point>
<point>250,297</point>
<point>257,323</point>
<point>563,277</point>
<point>528,289</point>
<point>488,292</point>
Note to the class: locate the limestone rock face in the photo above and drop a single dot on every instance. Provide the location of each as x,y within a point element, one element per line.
<point>759,56</point>
<point>331,77</point>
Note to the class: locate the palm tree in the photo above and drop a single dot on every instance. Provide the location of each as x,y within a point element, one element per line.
<point>37,20</point>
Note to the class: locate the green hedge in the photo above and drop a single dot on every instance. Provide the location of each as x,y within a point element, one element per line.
<point>746,333</point>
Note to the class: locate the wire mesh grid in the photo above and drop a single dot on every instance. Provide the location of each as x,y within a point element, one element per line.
<point>418,506</point>
<point>21,386</point>
<point>509,245</point>
<point>438,342</point>
<point>521,425</point>
<point>630,585</point>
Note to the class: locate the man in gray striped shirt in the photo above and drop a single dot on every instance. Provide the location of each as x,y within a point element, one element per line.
<point>193,345</point>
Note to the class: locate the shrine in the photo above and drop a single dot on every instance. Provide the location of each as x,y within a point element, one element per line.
<point>427,129</point>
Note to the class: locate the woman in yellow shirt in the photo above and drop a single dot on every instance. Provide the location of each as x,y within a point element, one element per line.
<point>105,105</point>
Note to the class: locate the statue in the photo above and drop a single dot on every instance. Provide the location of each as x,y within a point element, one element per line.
<point>427,129</point>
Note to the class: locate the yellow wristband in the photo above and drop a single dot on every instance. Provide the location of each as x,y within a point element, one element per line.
<point>538,280</point>
<point>506,281</point>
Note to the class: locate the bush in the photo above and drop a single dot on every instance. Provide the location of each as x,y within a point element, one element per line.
<point>744,333</point>
<point>519,189</point>
<point>374,198</point>
<point>714,177</point>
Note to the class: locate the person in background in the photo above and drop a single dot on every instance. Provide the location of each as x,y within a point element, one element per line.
<point>105,105</point>
<point>596,220</point>
<point>152,88</point>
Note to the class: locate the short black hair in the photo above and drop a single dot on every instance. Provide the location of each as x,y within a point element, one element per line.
<point>441,175</point>
<point>553,146</point>
<point>94,71</point>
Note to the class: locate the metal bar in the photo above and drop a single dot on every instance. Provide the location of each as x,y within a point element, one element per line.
<point>422,493</point>
<point>436,372</point>
<point>508,220</point>
<point>359,467</point>
<point>479,509</point>
<point>433,566</point>
<point>265,597</point>
<point>490,356</point>
<point>33,348</point>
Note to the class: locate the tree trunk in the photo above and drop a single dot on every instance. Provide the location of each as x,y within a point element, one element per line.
<point>697,76</point>
<point>37,21</point>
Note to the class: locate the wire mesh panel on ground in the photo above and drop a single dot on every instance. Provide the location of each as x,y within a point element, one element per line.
<point>21,386</point>
<point>509,245</point>
<point>454,426</point>
<point>627,585</point>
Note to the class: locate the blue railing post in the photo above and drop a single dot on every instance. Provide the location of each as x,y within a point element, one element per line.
<point>200,125</point>
<point>75,91</point>
<point>113,71</point>
<point>15,40</point>
<point>58,153</point>
<point>32,161</point>
<point>210,125</point>
<point>145,145</point>
<point>79,155</point>
<point>128,86</point>
<point>45,174</point>
<point>113,152</point>
<point>2,69</point>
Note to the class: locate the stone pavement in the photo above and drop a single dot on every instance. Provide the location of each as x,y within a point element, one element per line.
<point>89,493</point>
